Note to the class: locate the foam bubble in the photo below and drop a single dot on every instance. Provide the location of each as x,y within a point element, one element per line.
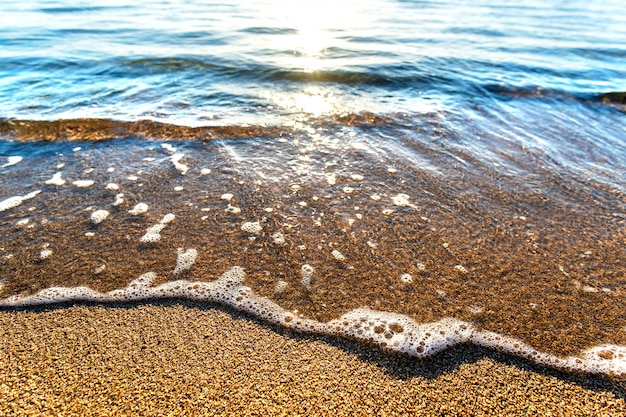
<point>205,171</point>
<point>253,228</point>
<point>226,196</point>
<point>280,287</point>
<point>168,147</point>
<point>99,216</point>
<point>140,208</point>
<point>402,200</point>
<point>461,269</point>
<point>12,202</point>
<point>45,253</point>
<point>12,160</point>
<point>112,186</point>
<point>400,333</point>
<point>185,260</point>
<point>278,238</point>
<point>132,178</point>
<point>22,222</point>
<point>83,183</point>
<point>153,234</point>
<point>338,255</point>
<point>182,168</point>
<point>56,179</point>
<point>307,274</point>
<point>119,199</point>
<point>178,188</point>
<point>331,179</point>
<point>168,218</point>
<point>232,209</point>
<point>406,278</point>
<point>110,170</point>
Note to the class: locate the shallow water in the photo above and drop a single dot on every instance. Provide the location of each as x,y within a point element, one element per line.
<point>430,159</point>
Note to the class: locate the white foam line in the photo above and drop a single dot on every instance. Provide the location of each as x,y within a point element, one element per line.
<point>390,330</point>
<point>12,202</point>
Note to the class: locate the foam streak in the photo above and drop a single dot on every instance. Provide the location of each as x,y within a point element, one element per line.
<point>389,330</point>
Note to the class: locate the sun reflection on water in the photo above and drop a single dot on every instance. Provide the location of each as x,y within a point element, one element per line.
<point>316,30</point>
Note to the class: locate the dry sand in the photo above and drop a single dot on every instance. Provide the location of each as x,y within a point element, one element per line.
<point>182,358</point>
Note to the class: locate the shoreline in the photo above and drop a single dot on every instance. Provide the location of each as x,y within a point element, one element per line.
<point>182,357</point>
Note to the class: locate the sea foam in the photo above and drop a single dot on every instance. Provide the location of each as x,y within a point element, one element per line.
<point>12,202</point>
<point>392,331</point>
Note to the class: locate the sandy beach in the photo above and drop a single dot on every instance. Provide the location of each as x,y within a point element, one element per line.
<point>183,358</point>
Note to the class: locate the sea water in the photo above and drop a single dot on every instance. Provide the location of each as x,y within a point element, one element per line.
<point>412,174</point>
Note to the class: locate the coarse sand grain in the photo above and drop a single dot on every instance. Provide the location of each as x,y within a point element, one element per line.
<point>184,358</point>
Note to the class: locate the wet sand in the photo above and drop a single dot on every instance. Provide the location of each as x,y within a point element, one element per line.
<point>184,358</point>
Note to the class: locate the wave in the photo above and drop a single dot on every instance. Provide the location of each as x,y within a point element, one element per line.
<point>467,79</point>
<point>352,227</point>
<point>104,129</point>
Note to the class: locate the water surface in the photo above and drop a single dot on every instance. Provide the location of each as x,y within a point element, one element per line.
<point>434,160</point>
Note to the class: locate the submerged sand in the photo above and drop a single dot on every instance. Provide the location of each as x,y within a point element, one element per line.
<point>184,358</point>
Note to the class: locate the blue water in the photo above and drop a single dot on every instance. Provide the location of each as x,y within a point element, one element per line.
<point>246,62</point>
<point>493,118</point>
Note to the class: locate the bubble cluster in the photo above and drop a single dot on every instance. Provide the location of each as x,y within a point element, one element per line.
<point>338,255</point>
<point>307,275</point>
<point>280,286</point>
<point>185,260</point>
<point>278,238</point>
<point>140,208</point>
<point>99,216</point>
<point>12,202</point>
<point>402,200</point>
<point>253,228</point>
<point>56,180</point>
<point>180,167</point>
<point>153,234</point>
<point>83,183</point>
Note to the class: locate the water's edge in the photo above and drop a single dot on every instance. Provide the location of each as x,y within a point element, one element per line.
<point>395,332</point>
